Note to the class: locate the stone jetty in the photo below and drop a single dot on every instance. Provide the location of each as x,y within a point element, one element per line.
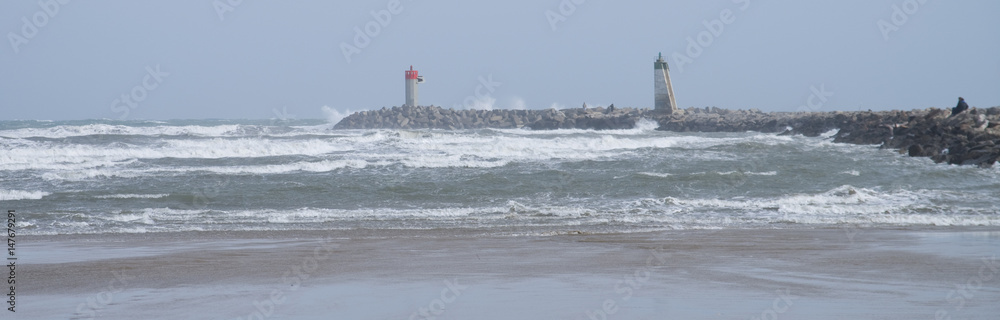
<point>969,138</point>
<point>432,117</point>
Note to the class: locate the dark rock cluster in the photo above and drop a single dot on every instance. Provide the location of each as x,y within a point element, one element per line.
<point>968,138</point>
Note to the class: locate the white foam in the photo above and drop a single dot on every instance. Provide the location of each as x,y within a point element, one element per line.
<point>842,205</point>
<point>655,174</point>
<point>326,151</point>
<point>67,131</point>
<point>243,148</point>
<point>318,166</point>
<point>841,200</point>
<point>451,161</point>
<point>132,196</point>
<point>830,134</point>
<point>643,126</point>
<point>333,116</point>
<point>304,166</point>
<point>836,207</point>
<point>6,195</point>
<point>748,173</point>
<point>521,148</point>
<point>62,157</point>
<point>144,217</point>
<point>222,130</point>
<point>418,149</point>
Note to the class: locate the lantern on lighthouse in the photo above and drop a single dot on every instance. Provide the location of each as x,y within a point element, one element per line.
<point>412,79</point>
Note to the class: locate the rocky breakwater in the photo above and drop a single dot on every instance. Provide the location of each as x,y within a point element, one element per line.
<point>432,117</point>
<point>968,138</point>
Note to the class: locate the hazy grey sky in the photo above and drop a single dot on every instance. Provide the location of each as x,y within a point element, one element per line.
<point>182,59</point>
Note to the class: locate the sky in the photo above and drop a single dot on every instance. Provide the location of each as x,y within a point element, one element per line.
<point>251,59</point>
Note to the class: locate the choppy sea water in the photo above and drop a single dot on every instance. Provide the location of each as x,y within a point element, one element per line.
<point>101,177</point>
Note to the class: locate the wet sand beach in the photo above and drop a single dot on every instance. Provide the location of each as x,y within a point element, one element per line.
<point>834,273</point>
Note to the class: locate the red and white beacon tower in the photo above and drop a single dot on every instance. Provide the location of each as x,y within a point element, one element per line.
<point>412,79</point>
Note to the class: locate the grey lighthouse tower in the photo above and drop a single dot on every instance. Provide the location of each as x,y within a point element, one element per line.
<point>663,91</point>
<point>412,79</point>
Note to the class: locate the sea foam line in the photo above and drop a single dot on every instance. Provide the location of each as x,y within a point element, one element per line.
<point>227,130</point>
<point>132,196</point>
<point>7,195</point>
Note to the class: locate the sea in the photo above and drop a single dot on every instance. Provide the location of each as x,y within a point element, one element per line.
<point>129,177</point>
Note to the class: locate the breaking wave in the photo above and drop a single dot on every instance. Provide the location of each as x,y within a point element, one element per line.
<point>6,195</point>
<point>845,205</point>
<point>114,178</point>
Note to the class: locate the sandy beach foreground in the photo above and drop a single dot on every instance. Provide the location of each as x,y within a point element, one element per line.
<point>932,273</point>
